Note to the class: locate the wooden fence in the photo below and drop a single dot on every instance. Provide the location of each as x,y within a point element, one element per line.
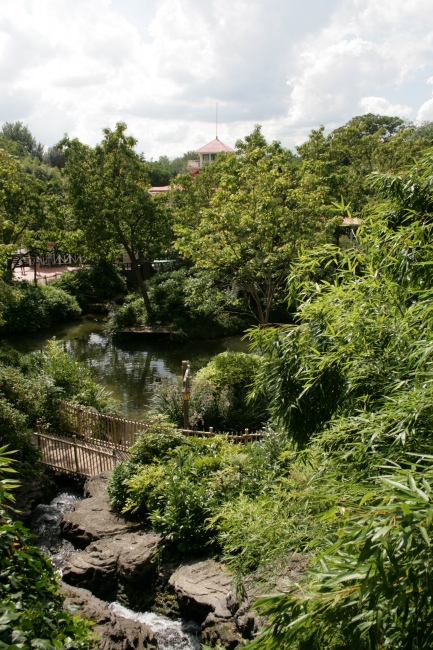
<point>89,424</point>
<point>70,456</point>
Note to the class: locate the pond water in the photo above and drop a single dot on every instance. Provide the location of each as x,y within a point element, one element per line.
<point>128,368</point>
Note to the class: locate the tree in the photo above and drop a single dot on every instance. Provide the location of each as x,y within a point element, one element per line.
<point>18,132</point>
<point>337,165</point>
<point>244,216</point>
<point>25,215</point>
<point>107,191</point>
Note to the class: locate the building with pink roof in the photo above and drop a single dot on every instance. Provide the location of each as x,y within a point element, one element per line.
<point>208,153</point>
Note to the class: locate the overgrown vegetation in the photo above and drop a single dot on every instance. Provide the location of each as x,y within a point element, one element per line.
<point>219,394</point>
<point>30,386</point>
<point>30,307</point>
<point>95,283</point>
<point>31,607</point>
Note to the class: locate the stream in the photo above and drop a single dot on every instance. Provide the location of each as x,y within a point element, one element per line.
<point>46,526</point>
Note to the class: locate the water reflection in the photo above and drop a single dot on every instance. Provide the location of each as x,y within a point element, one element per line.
<point>128,368</point>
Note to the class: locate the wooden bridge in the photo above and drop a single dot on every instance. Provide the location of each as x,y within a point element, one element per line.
<point>91,443</point>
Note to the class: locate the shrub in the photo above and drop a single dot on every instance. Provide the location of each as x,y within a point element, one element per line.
<point>373,587</point>
<point>14,433</point>
<point>101,281</point>
<point>35,306</point>
<point>219,395</point>
<point>180,484</point>
<point>132,312</point>
<point>31,607</point>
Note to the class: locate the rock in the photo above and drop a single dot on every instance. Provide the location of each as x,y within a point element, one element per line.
<point>121,564</point>
<point>202,588</point>
<point>27,497</point>
<point>92,518</point>
<point>114,632</point>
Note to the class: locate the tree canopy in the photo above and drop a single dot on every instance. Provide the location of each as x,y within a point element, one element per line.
<point>107,191</point>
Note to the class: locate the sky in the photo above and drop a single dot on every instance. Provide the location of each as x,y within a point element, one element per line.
<point>161,65</point>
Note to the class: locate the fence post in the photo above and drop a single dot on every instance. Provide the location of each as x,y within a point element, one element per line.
<point>79,421</point>
<point>77,469</point>
<point>185,393</point>
<point>114,457</point>
<point>210,429</point>
<point>38,433</point>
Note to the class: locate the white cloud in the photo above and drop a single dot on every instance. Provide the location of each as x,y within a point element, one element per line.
<point>161,65</point>
<point>382,106</point>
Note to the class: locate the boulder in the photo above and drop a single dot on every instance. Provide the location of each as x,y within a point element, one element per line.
<point>202,588</point>
<point>114,632</point>
<point>120,564</point>
<point>93,518</point>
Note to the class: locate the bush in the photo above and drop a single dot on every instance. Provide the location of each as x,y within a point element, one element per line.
<point>101,281</point>
<point>180,484</point>
<point>219,395</point>
<point>31,385</point>
<point>131,313</point>
<point>187,299</point>
<point>14,433</point>
<point>34,307</point>
<point>31,607</point>
<point>373,587</point>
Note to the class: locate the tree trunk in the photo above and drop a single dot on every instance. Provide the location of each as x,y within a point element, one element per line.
<point>135,267</point>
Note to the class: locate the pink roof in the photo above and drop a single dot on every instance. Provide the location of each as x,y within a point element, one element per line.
<point>216,146</point>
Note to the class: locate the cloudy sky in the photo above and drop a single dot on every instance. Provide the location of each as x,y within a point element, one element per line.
<point>77,66</point>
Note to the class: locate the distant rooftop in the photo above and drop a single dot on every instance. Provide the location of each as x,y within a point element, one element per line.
<point>216,146</point>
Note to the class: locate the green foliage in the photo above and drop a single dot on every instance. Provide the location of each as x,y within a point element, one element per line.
<point>188,299</point>
<point>132,312</point>
<point>31,612</point>
<point>107,192</point>
<point>373,587</point>
<point>251,227</point>
<point>100,281</point>
<point>32,307</point>
<point>31,607</point>
<point>353,377</point>
<point>30,386</point>
<point>219,394</point>
<point>6,484</point>
<point>20,133</point>
<point>180,484</point>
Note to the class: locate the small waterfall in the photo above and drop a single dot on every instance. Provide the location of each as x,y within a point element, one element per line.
<point>182,635</point>
<point>46,526</point>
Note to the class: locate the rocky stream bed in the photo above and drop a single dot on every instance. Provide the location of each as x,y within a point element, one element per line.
<point>112,573</point>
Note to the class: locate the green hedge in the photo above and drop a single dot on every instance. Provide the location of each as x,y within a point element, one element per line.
<point>33,307</point>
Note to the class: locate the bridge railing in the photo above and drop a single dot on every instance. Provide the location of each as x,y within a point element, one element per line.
<point>89,424</point>
<point>67,455</point>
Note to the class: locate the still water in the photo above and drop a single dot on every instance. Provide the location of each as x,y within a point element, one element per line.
<point>128,368</point>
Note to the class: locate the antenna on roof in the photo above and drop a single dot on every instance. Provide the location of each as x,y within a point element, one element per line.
<point>216,121</point>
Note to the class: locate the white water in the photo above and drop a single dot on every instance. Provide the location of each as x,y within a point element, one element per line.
<point>171,635</point>
<point>46,525</point>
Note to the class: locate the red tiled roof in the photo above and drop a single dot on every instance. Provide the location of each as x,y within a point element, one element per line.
<point>216,146</point>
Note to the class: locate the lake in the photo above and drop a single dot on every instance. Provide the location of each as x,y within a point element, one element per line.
<point>128,368</point>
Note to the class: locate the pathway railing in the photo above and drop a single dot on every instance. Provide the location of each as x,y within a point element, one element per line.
<point>89,424</point>
<point>70,456</point>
